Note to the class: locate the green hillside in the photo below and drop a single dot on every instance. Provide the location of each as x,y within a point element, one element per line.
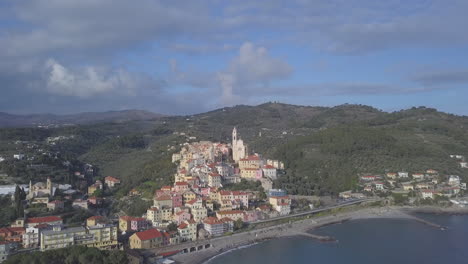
<point>324,148</point>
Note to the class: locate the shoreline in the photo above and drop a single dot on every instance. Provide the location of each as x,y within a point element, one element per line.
<point>303,227</point>
<point>306,226</point>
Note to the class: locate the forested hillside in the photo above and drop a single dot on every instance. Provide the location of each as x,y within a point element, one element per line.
<point>324,149</point>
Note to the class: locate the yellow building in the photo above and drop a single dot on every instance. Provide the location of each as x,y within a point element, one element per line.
<point>233,214</point>
<point>104,236</point>
<point>249,173</point>
<point>188,196</point>
<point>147,239</point>
<point>154,215</point>
<point>252,161</point>
<point>94,220</point>
<point>125,223</point>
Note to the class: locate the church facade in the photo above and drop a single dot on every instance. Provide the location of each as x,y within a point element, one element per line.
<point>40,189</point>
<point>239,150</point>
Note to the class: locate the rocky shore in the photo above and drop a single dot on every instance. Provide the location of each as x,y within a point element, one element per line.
<point>297,228</point>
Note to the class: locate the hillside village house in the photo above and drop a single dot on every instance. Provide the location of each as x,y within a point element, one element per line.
<point>147,239</point>
<point>214,180</point>
<point>392,175</point>
<point>12,234</point>
<point>407,186</point>
<point>163,201</point>
<point>94,187</point>
<point>281,204</point>
<point>234,214</point>
<point>188,230</point>
<point>32,237</point>
<point>111,182</point>
<point>78,203</point>
<point>55,205</point>
<point>252,161</point>
<point>217,227</point>
<point>403,174</point>
<point>418,176</point>
<point>368,178</point>
<point>95,220</point>
<point>182,216</point>
<point>50,220</point>
<point>129,223</point>
<point>269,171</point>
<point>379,186</point>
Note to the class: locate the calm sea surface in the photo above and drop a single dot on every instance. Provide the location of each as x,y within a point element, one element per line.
<point>373,241</point>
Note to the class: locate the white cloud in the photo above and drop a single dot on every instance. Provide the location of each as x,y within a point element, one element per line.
<point>88,81</point>
<point>253,66</point>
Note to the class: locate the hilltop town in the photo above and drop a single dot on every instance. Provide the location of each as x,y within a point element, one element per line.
<point>199,204</point>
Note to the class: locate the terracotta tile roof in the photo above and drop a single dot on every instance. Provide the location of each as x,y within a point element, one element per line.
<point>148,234</point>
<point>163,198</point>
<point>226,219</point>
<point>211,221</point>
<point>230,212</point>
<point>192,201</point>
<point>126,218</point>
<point>12,230</point>
<point>112,179</point>
<point>45,219</point>
<point>269,167</point>
<point>182,226</point>
<point>181,183</point>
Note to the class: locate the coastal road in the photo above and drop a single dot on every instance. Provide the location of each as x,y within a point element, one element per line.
<point>314,211</point>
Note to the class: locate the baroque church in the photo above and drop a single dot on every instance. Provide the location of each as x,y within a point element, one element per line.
<point>239,150</point>
<point>40,189</point>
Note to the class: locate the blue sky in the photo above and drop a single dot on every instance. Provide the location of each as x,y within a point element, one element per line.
<point>182,57</point>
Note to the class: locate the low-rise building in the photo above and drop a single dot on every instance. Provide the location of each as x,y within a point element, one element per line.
<point>55,205</point>
<point>281,204</point>
<point>403,174</point>
<point>12,234</point>
<point>32,237</point>
<point>50,220</point>
<point>379,186</point>
<point>147,239</point>
<point>95,220</point>
<point>407,186</point>
<point>187,230</point>
<point>111,182</point>
<point>233,214</point>
<point>163,201</point>
<point>217,227</point>
<point>82,204</point>
<point>214,180</point>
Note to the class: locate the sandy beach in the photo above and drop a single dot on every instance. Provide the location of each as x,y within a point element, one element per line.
<point>303,227</point>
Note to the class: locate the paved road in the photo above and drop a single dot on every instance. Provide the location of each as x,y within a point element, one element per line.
<point>314,211</point>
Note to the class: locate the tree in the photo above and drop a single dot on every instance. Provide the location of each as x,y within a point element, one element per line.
<point>238,224</point>
<point>172,227</point>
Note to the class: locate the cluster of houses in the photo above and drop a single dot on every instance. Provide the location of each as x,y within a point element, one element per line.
<point>195,207</point>
<point>197,202</point>
<point>46,233</point>
<point>49,232</point>
<point>427,184</point>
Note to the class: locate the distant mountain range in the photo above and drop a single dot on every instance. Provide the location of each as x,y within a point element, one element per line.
<point>11,120</point>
